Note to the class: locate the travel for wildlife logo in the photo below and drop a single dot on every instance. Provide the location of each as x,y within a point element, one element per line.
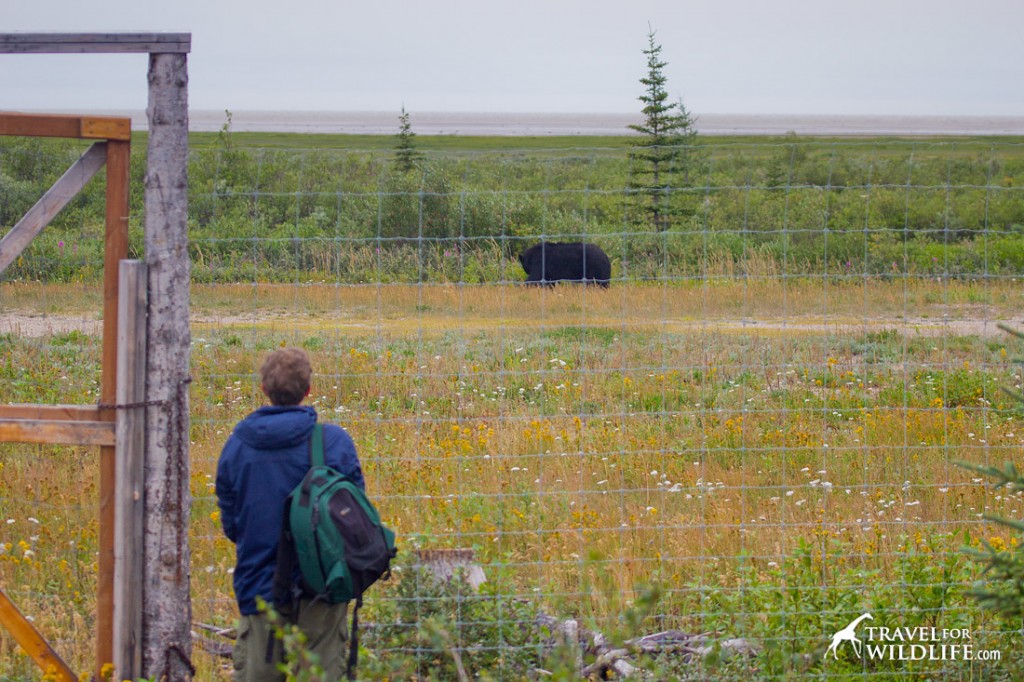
<point>908,644</point>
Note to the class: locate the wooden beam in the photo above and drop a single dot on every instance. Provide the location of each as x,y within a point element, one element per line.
<point>118,155</point>
<point>64,125</point>
<point>130,483</point>
<point>80,43</point>
<point>116,249</point>
<point>88,413</point>
<point>55,199</point>
<point>106,128</point>
<point>46,431</point>
<point>29,639</point>
<point>39,125</point>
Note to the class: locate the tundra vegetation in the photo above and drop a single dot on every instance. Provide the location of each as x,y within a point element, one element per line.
<point>754,434</point>
<point>787,207</point>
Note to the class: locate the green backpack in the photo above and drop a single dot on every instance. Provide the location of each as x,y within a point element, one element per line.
<point>335,534</point>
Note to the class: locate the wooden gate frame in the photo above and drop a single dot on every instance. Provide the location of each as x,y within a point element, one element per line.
<point>118,616</point>
<point>79,424</point>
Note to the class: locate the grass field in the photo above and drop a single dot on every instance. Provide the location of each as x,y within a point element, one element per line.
<point>775,455</point>
<point>754,433</point>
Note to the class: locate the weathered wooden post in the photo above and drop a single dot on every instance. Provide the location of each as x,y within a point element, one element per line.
<point>130,434</point>
<point>167,609</point>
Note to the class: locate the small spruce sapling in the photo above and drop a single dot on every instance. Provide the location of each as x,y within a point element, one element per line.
<point>406,155</point>
<point>666,155</point>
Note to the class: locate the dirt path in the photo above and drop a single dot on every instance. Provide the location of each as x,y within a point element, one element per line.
<point>30,325</point>
<point>23,324</point>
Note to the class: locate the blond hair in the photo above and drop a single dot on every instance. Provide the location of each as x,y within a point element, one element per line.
<point>285,376</point>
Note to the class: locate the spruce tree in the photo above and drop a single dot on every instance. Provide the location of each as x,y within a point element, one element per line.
<point>666,155</point>
<point>406,155</point>
<point>1001,588</point>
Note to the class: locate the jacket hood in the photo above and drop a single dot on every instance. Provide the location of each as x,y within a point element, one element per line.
<point>276,426</point>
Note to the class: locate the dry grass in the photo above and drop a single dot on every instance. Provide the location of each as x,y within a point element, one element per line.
<point>755,301</point>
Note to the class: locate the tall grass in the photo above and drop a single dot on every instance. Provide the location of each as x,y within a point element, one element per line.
<point>771,481</point>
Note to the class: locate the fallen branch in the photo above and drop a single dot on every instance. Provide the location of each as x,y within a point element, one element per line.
<point>217,648</point>
<point>612,661</point>
<point>217,630</point>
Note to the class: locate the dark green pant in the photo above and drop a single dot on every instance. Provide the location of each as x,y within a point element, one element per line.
<point>325,630</point>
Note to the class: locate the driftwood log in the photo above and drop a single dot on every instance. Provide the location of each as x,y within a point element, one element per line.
<point>445,564</point>
<point>614,662</point>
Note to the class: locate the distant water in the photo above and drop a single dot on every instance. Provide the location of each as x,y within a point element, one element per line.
<point>435,123</point>
<point>467,123</point>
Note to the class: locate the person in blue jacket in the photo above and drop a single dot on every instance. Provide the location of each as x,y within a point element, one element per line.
<point>265,457</point>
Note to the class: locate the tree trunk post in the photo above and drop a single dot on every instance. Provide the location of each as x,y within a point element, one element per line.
<point>167,608</point>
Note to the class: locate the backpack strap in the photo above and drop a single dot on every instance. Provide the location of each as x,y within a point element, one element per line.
<point>353,641</point>
<point>284,595</point>
<point>316,446</point>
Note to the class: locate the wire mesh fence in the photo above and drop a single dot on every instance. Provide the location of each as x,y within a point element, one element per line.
<point>750,436</point>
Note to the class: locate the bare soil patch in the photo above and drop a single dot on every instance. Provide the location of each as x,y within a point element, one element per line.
<point>33,325</point>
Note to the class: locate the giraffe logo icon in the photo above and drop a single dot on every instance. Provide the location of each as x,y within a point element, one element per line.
<point>848,634</point>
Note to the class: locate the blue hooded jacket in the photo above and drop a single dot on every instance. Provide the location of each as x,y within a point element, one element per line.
<point>261,463</point>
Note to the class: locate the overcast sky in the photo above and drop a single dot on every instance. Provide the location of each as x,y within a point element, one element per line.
<point>944,57</point>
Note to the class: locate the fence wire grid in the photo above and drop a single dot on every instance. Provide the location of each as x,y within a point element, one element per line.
<point>748,440</point>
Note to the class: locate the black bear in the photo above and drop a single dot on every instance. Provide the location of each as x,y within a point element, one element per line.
<point>550,262</point>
